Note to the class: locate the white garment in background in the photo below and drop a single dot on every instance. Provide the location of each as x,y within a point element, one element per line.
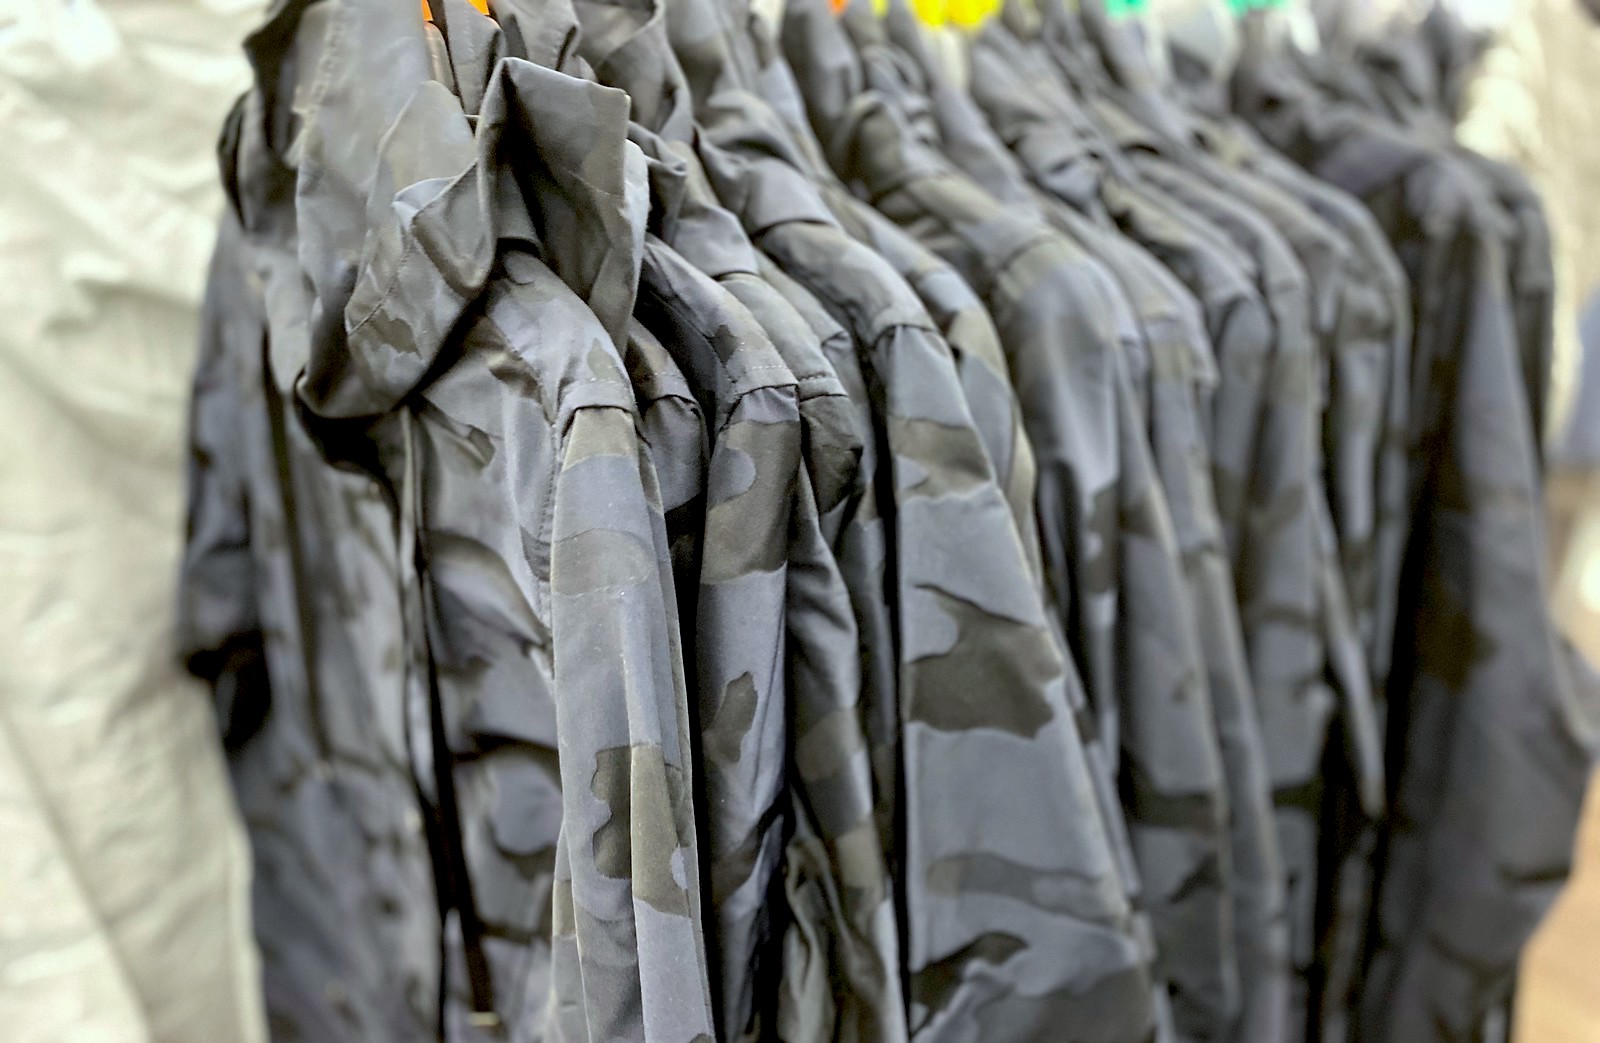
<point>1536,103</point>
<point>124,871</point>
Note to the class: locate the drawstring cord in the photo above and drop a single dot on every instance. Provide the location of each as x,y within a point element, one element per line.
<point>445,838</point>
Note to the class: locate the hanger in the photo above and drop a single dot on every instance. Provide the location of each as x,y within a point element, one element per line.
<point>970,15</point>
<point>481,5</point>
<point>935,14</point>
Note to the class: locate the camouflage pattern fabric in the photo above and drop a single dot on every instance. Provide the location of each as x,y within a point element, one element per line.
<point>952,304</point>
<point>1170,366</point>
<point>1348,783</point>
<point>1172,407</point>
<point>948,868</point>
<point>320,774</point>
<point>1368,357</point>
<point>974,343</point>
<point>1467,864</point>
<point>738,468</point>
<point>1278,677</point>
<point>728,359</point>
<point>1361,320</point>
<point>303,635</point>
<point>971,908</point>
<point>838,890</point>
<point>1423,74</point>
<point>1240,201</point>
<point>1022,94</point>
<point>839,919</point>
<point>1120,588</point>
<point>811,1004</point>
<point>541,582</point>
<point>1368,485</point>
<point>739,606</point>
<point>673,428</point>
<point>1297,750</point>
<point>1401,79</point>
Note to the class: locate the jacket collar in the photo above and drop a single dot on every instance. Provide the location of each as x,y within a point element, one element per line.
<point>402,200</point>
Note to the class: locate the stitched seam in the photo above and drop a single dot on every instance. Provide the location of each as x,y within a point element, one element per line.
<point>780,389</point>
<point>326,64</point>
<point>546,536</point>
<point>410,250</point>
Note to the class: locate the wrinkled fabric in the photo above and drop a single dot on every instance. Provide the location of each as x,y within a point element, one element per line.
<point>738,605</point>
<point>1113,561</point>
<point>826,991</point>
<point>773,440</point>
<point>517,528</point>
<point>1171,344</point>
<point>312,781</point>
<point>966,872</point>
<point>124,869</point>
<point>1281,627</point>
<point>1465,848</point>
<point>837,892</point>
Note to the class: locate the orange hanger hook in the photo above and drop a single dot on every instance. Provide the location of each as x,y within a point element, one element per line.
<point>481,5</point>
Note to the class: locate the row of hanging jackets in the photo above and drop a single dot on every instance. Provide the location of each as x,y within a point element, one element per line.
<point>711,527</point>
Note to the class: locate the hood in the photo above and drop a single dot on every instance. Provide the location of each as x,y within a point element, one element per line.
<point>402,199</point>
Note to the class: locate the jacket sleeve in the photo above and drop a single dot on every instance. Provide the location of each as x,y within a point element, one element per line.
<point>629,941</point>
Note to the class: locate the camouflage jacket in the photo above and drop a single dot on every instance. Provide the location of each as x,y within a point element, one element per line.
<point>545,735</point>
<point>951,302</point>
<point>1345,317</point>
<point>1294,727</point>
<point>1172,370</point>
<point>1038,289</point>
<point>1291,424</point>
<point>1367,355</point>
<point>1143,605</point>
<point>836,916</point>
<point>1406,80</point>
<point>968,874</point>
<point>1360,320</point>
<point>299,636</point>
<point>1465,848</point>
<point>581,496</point>
<point>738,604</point>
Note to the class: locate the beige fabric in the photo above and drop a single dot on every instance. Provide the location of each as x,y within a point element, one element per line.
<point>1557,1001</point>
<point>1536,102</point>
<point>123,867</point>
